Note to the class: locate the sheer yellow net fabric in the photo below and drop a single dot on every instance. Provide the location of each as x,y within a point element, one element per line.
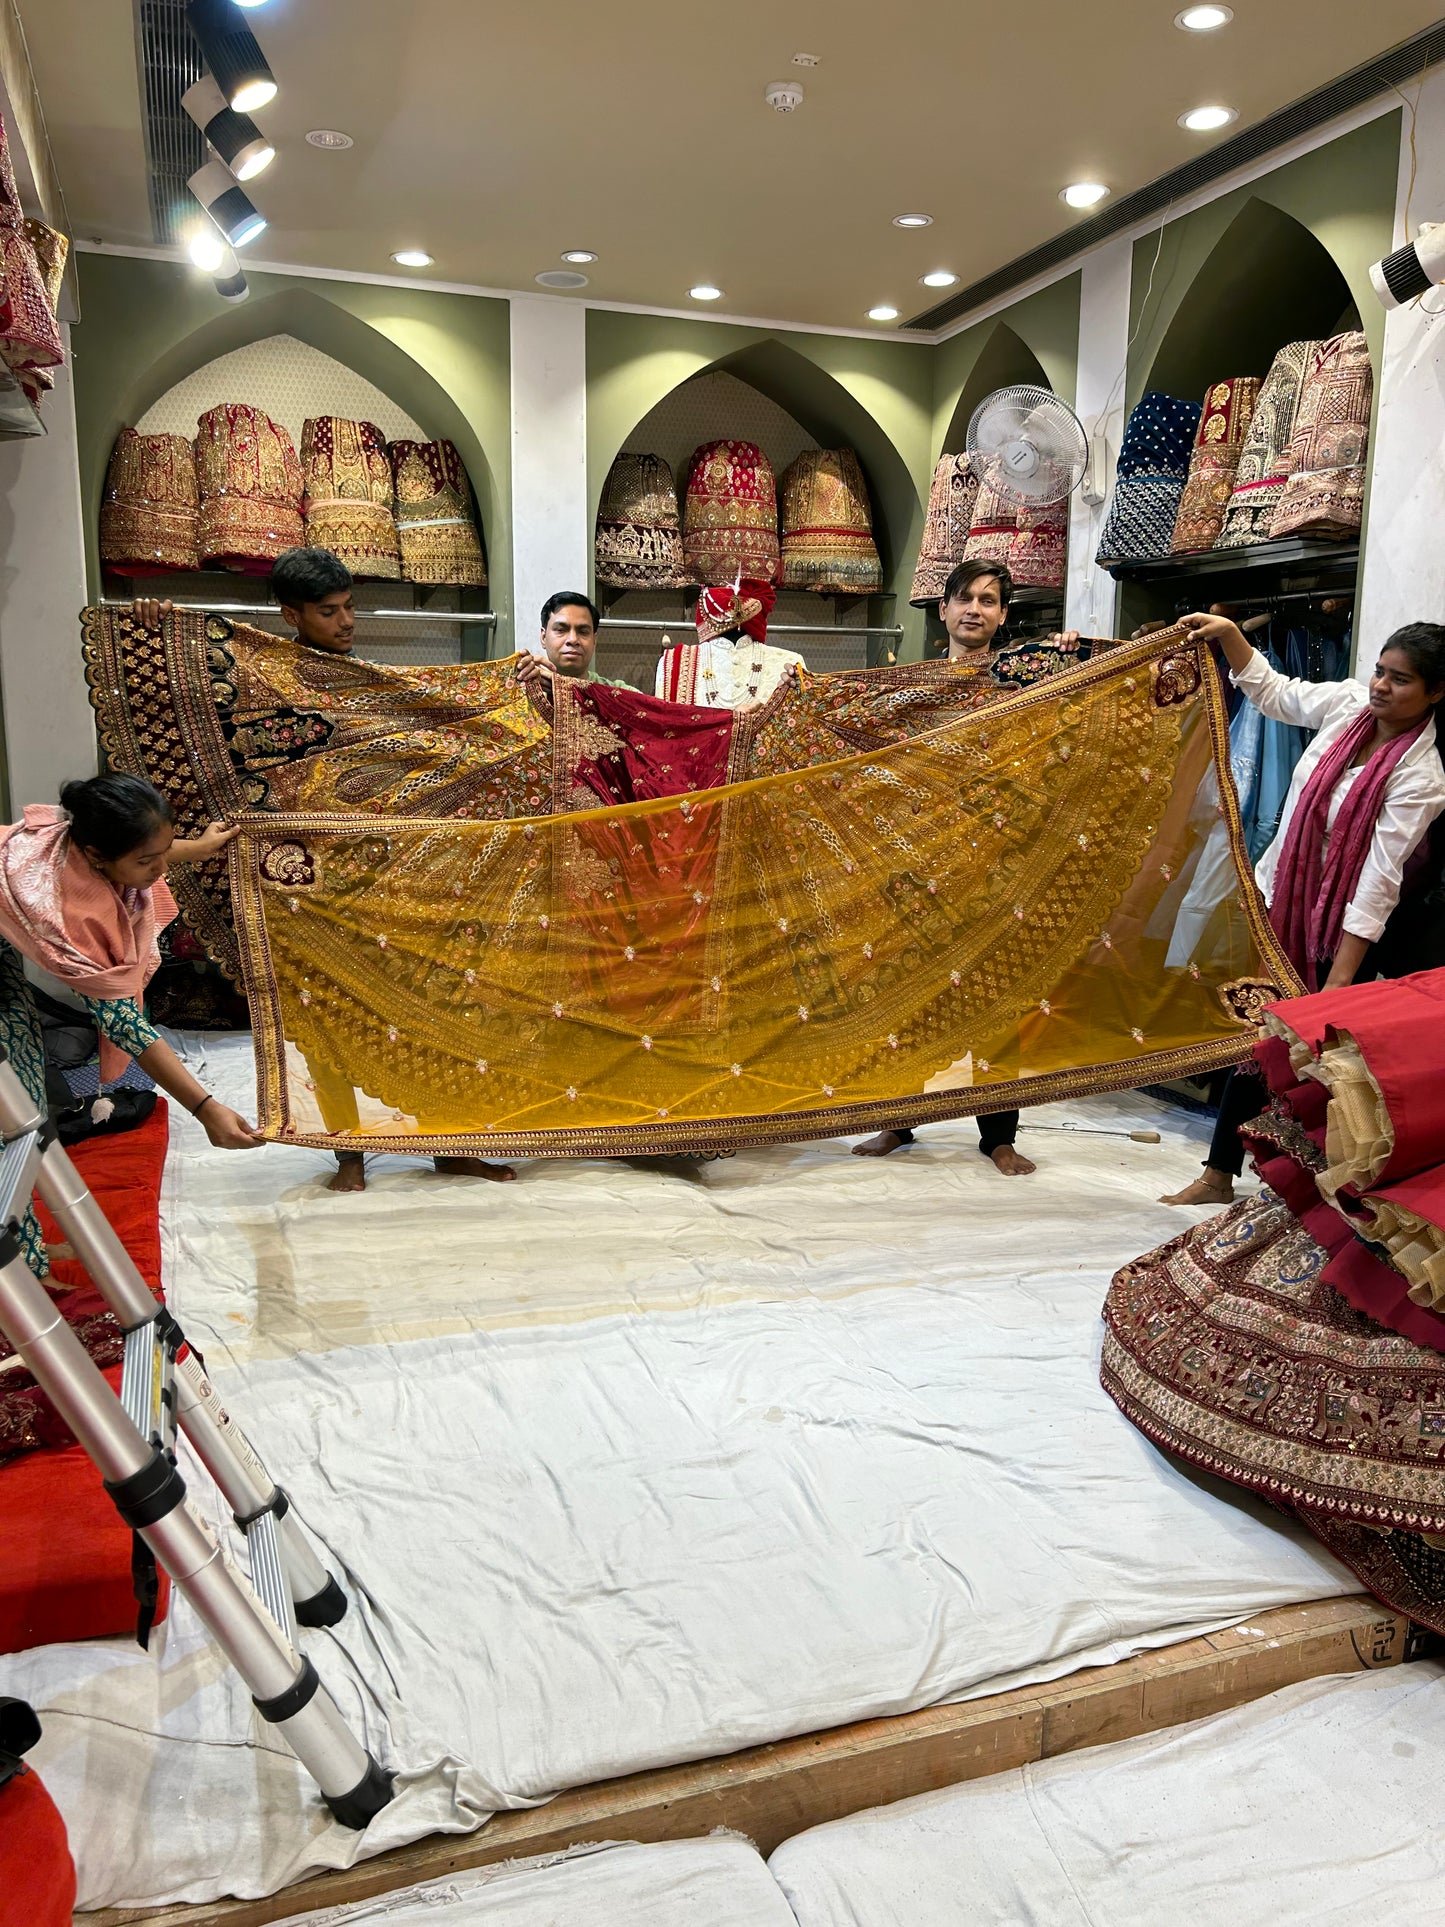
<point>1048,897</point>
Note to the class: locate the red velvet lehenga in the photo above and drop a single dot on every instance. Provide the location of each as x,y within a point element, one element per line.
<point>1295,1344</point>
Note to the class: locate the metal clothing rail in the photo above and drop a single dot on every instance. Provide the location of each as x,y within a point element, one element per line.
<point>485,620</point>
<point>774,628</point>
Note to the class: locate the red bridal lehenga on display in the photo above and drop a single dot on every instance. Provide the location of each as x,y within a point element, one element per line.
<point>1295,1344</point>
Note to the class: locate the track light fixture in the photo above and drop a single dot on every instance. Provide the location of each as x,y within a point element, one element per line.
<point>232,54</point>
<point>229,279</point>
<point>227,203</point>
<point>235,137</point>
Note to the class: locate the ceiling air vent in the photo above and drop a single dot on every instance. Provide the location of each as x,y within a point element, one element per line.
<point>169,61</point>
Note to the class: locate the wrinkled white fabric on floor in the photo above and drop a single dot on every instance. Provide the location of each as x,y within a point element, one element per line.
<point>717,1882</point>
<point>623,1469</point>
<point>1320,1803</point>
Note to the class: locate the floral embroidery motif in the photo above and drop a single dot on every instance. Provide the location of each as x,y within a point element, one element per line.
<point>289,863</point>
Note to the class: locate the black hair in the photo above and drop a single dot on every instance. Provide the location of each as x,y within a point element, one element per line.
<point>570,599</point>
<point>113,815</point>
<point>1423,645</point>
<point>300,576</point>
<point>967,573</point>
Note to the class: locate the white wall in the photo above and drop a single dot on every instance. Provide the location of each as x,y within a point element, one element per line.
<point>1091,593</point>
<point>551,529</point>
<point>49,724</point>
<point>1404,565</point>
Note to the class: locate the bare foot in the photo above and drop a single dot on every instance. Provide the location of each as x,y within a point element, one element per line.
<point>350,1172</point>
<point>1214,1187</point>
<point>1012,1163</point>
<point>474,1168</point>
<point>60,1252</point>
<point>880,1146</point>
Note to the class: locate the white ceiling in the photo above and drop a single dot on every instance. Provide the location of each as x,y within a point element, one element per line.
<point>496,136</point>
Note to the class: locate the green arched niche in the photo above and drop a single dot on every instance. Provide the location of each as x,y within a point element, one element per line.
<point>444,358</point>
<point>1035,339</point>
<point>1005,358</point>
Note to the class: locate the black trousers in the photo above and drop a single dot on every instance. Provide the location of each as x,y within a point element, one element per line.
<point>995,1129</point>
<point>1244,1096</point>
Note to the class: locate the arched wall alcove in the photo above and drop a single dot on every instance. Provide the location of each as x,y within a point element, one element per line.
<point>443,359</point>
<point>1334,205</point>
<point>1004,359</point>
<point>871,396</point>
<point>1267,280</point>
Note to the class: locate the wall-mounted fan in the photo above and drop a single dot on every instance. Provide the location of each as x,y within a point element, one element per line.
<point>1027,445</point>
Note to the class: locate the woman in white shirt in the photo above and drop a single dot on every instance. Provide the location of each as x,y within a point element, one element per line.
<point>1362,799</point>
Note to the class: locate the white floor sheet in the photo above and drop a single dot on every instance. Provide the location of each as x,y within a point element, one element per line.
<point>622,1469</point>
<point>1319,1804</point>
<point>716,1882</point>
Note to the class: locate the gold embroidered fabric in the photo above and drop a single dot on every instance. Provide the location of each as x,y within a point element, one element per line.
<point>149,519</point>
<point>971,919</point>
<point>638,542</point>
<point>827,539</point>
<point>952,498</point>
<point>440,540</point>
<point>250,483</point>
<point>347,504</point>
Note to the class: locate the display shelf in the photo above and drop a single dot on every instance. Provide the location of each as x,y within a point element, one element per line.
<point>1294,553</point>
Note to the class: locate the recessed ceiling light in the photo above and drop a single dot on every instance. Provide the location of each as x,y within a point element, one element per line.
<point>579,256</point>
<point>705,291</point>
<point>940,278</point>
<point>560,278</point>
<point>412,258</point>
<point>1204,120</point>
<point>883,313</point>
<point>1084,193</point>
<point>329,137</point>
<point>1203,19</point>
<point>913,220</point>
<point>806,60</point>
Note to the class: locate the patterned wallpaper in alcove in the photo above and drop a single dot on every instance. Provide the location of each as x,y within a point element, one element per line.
<point>290,380</point>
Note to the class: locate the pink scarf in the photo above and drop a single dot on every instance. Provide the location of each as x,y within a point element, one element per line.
<point>1313,887</point>
<point>73,922</point>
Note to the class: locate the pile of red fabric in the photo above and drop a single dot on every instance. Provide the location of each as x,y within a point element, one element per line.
<point>64,1554</point>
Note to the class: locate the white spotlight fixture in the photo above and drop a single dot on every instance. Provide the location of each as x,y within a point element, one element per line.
<point>248,4</point>
<point>227,203</point>
<point>579,257</point>
<point>913,220</point>
<point>206,249</point>
<point>940,278</point>
<point>228,280</point>
<point>705,291</point>
<point>231,52</point>
<point>883,313</point>
<point>1084,193</point>
<point>412,258</point>
<point>1206,120</point>
<point>330,138</point>
<point>235,137</point>
<point>1203,19</point>
<point>1406,274</point>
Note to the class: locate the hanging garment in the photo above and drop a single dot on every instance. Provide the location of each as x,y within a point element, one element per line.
<point>251,489</point>
<point>991,533</point>
<point>1309,656</point>
<point>1038,548</point>
<point>1223,425</point>
<point>1153,466</point>
<point>952,497</point>
<point>52,251</point>
<point>730,514</point>
<point>435,526</point>
<point>347,503</point>
<point>1264,459</point>
<point>639,535</point>
<point>827,530</point>
<point>1324,492</point>
<point>670,974</point>
<point>150,515</point>
<point>30,340</point>
<point>731,665</point>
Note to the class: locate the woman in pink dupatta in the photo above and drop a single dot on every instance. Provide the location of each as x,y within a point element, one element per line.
<point>83,895</point>
<point>1360,803</point>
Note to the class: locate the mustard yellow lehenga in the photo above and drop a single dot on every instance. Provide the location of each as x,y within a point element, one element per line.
<point>1008,907</point>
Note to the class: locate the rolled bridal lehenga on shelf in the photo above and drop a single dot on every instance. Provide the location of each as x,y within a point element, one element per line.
<point>1295,1344</point>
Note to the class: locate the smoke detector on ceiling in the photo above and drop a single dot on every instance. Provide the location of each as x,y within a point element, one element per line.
<point>783,95</point>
